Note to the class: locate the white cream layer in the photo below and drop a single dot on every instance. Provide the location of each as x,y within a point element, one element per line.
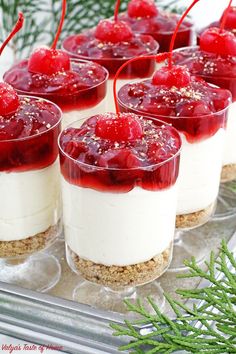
<point>200,171</point>
<point>118,229</point>
<point>230,144</point>
<point>83,114</point>
<point>30,202</point>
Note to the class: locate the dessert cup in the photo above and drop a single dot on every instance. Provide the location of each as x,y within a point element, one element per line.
<point>203,143</point>
<point>161,28</point>
<point>119,221</point>
<point>79,92</point>
<point>220,71</point>
<point>30,213</point>
<point>112,56</point>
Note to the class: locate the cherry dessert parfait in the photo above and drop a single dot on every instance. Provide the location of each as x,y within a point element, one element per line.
<point>145,18</point>
<point>78,91</point>
<point>215,61</point>
<point>198,111</point>
<point>111,44</point>
<point>78,87</point>
<point>221,71</point>
<point>30,212</point>
<point>119,175</point>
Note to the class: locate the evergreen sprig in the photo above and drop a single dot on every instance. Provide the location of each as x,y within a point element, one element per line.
<point>42,19</point>
<point>207,328</point>
<point>34,27</point>
<point>82,14</point>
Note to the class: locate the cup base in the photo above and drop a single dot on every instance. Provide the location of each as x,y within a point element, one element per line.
<point>226,202</point>
<point>39,272</point>
<point>187,244</point>
<point>104,298</point>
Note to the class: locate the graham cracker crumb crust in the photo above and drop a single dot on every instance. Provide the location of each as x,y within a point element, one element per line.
<point>228,173</point>
<point>29,245</point>
<point>192,220</point>
<point>117,277</point>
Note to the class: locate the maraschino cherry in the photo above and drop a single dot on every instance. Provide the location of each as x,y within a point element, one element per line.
<point>49,61</point>
<point>119,127</point>
<point>113,31</point>
<point>229,16</point>
<point>10,102</point>
<point>218,40</point>
<point>172,75</point>
<point>142,9</point>
<point>169,76</point>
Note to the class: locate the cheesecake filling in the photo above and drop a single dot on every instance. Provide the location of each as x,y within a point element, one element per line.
<point>31,202</point>
<point>118,229</point>
<point>199,178</point>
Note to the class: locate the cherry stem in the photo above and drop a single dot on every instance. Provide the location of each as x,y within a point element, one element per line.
<point>172,43</point>
<point>63,14</point>
<point>116,12</point>
<point>18,26</point>
<point>222,25</point>
<point>158,57</point>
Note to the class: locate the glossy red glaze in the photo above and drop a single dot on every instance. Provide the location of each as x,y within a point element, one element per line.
<point>161,28</point>
<point>82,87</point>
<point>28,138</point>
<point>150,162</point>
<point>112,56</point>
<point>217,70</point>
<point>198,110</point>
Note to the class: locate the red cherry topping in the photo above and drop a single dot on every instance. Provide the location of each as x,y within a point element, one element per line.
<point>123,127</point>
<point>216,40</point>
<point>177,76</point>
<point>113,31</point>
<point>230,20</point>
<point>9,102</point>
<point>50,60</point>
<point>142,8</point>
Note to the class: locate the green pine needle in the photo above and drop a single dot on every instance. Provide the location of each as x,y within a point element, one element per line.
<point>42,18</point>
<point>215,316</point>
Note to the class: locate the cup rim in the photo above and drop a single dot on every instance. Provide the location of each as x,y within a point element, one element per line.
<point>41,133</point>
<point>85,58</point>
<point>203,75</point>
<point>161,116</point>
<point>190,27</point>
<point>50,94</point>
<point>99,168</point>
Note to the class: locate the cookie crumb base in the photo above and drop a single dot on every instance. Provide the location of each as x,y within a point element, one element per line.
<point>228,173</point>
<point>29,245</point>
<point>117,277</point>
<point>188,221</point>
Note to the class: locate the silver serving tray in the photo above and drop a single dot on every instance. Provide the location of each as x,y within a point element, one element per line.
<point>55,319</point>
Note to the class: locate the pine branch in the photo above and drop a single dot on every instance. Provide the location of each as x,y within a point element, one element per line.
<point>217,307</point>
<point>33,29</point>
<point>42,18</point>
